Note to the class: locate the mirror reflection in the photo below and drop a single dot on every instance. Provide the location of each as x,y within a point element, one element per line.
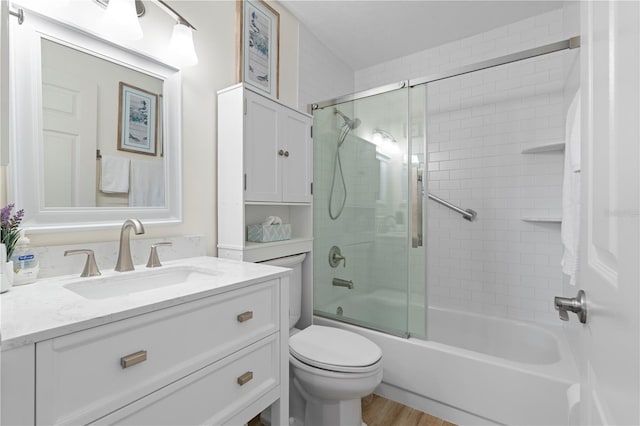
<point>102,132</point>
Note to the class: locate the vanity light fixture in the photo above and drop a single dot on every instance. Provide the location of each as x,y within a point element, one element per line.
<point>122,23</point>
<point>385,142</point>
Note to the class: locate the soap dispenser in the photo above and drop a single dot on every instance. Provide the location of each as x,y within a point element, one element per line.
<point>25,262</point>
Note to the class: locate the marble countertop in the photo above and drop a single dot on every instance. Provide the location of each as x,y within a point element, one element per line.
<point>46,309</point>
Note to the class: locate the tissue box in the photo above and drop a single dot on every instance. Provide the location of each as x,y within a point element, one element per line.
<point>268,233</point>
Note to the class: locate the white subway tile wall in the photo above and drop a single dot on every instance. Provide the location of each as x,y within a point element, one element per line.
<point>477,127</point>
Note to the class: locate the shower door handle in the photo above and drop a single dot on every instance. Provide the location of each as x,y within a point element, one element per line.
<point>416,206</point>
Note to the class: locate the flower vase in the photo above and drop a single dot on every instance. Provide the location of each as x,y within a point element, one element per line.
<point>6,278</point>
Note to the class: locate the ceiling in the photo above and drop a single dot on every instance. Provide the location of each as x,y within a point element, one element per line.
<point>366,32</point>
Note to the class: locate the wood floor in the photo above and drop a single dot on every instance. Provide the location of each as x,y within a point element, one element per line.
<point>379,411</point>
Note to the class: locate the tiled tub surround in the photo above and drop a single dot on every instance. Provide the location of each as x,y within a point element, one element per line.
<point>477,127</point>
<point>53,261</point>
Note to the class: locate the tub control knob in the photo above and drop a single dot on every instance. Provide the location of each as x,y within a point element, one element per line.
<point>335,257</point>
<point>577,305</point>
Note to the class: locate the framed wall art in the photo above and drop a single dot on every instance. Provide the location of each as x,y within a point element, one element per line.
<point>258,56</point>
<point>137,120</point>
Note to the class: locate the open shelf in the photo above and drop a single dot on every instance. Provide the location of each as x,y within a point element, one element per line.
<point>545,219</point>
<point>548,147</point>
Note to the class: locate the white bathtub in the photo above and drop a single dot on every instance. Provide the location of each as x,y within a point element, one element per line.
<point>474,369</point>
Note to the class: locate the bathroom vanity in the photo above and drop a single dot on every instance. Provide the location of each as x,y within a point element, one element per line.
<point>197,341</point>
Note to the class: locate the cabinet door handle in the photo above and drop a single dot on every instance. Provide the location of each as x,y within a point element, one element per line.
<point>286,153</point>
<point>245,378</point>
<point>133,359</point>
<point>245,316</point>
<point>281,152</point>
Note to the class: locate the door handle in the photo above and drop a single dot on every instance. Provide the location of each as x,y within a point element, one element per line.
<point>577,305</point>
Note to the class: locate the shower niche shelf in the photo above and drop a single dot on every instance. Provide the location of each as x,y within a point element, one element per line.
<point>543,219</point>
<point>547,147</point>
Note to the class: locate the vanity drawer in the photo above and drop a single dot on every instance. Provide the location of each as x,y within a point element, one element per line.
<point>86,375</point>
<point>209,396</point>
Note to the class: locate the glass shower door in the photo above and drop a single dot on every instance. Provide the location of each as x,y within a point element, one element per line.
<point>362,211</point>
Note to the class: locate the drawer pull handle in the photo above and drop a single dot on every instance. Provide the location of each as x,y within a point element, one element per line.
<point>133,359</point>
<point>246,377</point>
<point>245,316</point>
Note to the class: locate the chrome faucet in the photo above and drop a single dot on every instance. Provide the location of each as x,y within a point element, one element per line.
<point>125,262</point>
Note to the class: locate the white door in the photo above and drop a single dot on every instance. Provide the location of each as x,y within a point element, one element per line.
<point>610,253</point>
<point>69,117</point>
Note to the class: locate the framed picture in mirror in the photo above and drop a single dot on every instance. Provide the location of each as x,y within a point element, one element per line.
<point>137,120</point>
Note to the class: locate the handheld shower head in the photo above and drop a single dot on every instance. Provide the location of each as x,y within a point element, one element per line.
<point>351,123</point>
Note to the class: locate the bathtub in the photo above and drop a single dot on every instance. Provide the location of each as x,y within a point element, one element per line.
<point>474,369</point>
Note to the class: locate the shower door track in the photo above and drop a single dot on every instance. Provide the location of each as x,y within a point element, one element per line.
<point>571,43</point>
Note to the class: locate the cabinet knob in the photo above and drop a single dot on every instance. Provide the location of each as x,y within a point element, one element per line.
<point>246,377</point>
<point>281,152</point>
<point>286,153</point>
<point>245,316</point>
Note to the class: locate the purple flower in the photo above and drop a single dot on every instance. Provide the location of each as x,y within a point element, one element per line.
<point>9,227</point>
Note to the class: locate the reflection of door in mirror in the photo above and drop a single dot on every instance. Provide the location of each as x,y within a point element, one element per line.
<point>69,114</point>
<point>81,114</point>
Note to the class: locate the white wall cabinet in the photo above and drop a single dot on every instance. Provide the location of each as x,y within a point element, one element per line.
<point>217,360</point>
<point>265,159</point>
<point>277,150</point>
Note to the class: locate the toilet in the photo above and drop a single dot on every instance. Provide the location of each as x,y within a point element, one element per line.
<point>330,369</point>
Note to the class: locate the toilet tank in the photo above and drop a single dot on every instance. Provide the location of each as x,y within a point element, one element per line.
<point>295,283</point>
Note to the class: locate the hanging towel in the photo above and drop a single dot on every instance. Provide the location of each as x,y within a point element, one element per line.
<point>114,175</point>
<point>570,232</point>
<point>147,184</point>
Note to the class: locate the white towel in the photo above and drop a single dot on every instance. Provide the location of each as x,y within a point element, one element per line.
<point>147,184</point>
<point>570,232</point>
<point>114,176</point>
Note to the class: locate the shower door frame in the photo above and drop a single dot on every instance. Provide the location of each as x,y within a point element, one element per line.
<point>570,43</point>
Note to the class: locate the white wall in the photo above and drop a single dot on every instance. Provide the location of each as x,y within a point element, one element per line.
<point>322,75</point>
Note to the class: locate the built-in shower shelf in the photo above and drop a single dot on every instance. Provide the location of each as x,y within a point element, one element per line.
<point>548,147</point>
<point>544,219</point>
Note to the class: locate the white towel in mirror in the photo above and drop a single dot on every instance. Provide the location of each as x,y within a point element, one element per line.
<point>147,183</point>
<point>114,175</point>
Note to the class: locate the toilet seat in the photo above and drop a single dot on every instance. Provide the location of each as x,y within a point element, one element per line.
<point>333,349</point>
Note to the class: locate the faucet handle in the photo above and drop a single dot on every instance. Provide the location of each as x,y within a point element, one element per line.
<point>154,261</point>
<point>90,266</point>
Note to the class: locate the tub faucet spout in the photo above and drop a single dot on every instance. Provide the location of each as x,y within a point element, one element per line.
<point>125,262</point>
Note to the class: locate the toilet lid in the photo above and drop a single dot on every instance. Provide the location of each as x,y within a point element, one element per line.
<point>334,349</point>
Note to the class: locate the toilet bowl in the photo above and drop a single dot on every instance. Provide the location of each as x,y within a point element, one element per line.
<point>330,369</point>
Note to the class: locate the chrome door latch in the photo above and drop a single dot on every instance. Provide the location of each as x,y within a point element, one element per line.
<point>577,305</point>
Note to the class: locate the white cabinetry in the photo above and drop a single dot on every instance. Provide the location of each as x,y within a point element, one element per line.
<point>264,169</point>
<point>277,150</point>
<point>216,360</point>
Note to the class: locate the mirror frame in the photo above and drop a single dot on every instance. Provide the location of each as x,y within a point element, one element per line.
<point>25,171</point>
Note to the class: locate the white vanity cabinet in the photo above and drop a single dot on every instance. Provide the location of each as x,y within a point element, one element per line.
<point>265,169</point>
<point>214,360</point>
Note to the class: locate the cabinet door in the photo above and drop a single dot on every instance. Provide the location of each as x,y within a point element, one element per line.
<point>263,176</point>
<point>295,137</point>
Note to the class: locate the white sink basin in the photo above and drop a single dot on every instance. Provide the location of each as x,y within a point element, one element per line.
<point>137,281</point>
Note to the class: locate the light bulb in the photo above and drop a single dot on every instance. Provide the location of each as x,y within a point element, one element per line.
<point>120,21</point>
<point>181,49</point>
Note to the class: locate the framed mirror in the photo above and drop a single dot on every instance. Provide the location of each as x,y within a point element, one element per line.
<point>95,131</point>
